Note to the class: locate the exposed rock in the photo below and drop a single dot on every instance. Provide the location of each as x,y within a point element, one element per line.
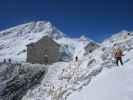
<point>20,80</point>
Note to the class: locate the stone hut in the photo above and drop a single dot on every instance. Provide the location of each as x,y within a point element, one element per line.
<point>44,51</point>
<point>90,47</point>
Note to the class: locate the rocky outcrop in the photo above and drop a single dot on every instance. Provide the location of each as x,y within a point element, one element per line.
<point>19,80</point>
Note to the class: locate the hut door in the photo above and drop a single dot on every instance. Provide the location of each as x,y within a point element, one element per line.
<point>45,56</point>
<point>46,59</point>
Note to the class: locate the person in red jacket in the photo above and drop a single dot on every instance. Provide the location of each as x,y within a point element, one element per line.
<point>118,56</point>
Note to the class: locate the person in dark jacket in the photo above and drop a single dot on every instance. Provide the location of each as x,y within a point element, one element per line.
<point>4,61</point>
<point>9,60</point>
<point>76,58</point>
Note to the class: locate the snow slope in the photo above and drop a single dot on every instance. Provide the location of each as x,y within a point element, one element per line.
<point>73,78</point>
<point>13,43</point>
<point>75,45</point>
<point>110,84</point>
<point>63,78</point>
<point>113,83</point>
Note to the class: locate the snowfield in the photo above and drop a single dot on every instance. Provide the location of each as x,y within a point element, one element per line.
<point>113,83</point>
<point>110,84</point>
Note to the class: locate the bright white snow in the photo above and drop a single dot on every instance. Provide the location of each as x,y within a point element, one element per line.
<point>111,84</point>
<point>94,76</point>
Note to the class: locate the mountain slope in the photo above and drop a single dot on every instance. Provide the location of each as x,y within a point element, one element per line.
<point>63,79</point>
<point>13,41</point>
<point>111,84</point>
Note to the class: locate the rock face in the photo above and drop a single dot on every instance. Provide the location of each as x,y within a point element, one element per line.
<point>19,80</point>
<point>91,47</point>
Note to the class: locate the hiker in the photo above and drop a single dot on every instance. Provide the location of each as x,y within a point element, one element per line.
<point>4,61</point>
<point>118,56</point>
<point>76,58</point>
<point>9,60</point>
<point>128,33</point>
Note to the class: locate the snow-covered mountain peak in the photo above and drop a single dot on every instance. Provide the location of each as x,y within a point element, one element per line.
<point>13,41</point>
<point>85,38</point>
<point>120,34</point>
<point>118,38</point>
<point>35,27</point>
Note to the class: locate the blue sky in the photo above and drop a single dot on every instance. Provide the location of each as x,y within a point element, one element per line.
<point>97,19</point>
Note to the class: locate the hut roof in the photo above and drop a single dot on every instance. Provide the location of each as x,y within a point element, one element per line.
<point>45,38</point>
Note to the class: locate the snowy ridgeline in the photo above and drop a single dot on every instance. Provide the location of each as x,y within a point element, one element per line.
<point>17,79</point>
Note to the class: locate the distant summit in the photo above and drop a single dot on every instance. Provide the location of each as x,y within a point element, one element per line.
<point>13,41</point>
<point>44,27</point>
